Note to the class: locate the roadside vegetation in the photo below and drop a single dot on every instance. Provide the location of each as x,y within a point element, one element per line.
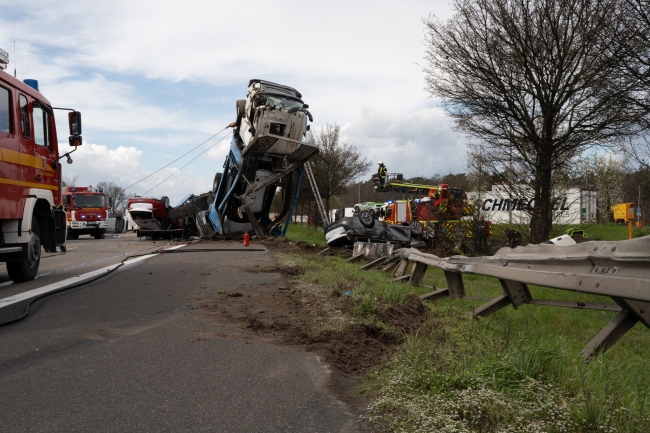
<point>515,371</point>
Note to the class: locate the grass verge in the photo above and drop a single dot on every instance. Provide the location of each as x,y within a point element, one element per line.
<point>514,371</point>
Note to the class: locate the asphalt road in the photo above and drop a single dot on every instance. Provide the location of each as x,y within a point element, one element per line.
<point>82,255</point>
<point>126,353</point>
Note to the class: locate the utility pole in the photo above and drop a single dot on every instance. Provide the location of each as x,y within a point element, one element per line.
<point>359,190</point>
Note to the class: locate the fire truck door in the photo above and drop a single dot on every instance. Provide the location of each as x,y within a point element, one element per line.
<point>45,150</point>
<point>10,190</point>
<point>401,212</point>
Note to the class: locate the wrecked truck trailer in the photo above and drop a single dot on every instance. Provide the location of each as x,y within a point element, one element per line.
<point>266,153</point>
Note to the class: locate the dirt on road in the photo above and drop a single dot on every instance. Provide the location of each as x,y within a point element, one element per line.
<point>284,310</point>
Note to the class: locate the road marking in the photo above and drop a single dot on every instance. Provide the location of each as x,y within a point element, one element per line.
<point>80,265</point>
<point>20,297</point>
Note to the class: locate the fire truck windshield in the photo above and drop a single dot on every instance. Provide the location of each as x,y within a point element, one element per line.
<point>89,200</point>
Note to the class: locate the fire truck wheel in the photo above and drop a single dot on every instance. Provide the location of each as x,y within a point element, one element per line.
<point>99,234</point>
<point>366,219</point>
<point>26,271</point>
<point>416,228</point>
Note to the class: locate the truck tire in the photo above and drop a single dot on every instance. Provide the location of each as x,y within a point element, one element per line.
<point>416,228</point>
<point>165,201</point>
<point>366,219</point>
<point>215,182</point>
<point>241,111</point>
<point>99,234</point>
<point>26,271</point>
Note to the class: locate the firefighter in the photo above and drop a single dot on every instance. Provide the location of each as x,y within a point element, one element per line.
<point>514,238</point>
<point>381,173</point>
<point>63,247</point>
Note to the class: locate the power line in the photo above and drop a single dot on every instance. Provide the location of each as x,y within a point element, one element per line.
<point>155,186</point>
<point>189,151</point>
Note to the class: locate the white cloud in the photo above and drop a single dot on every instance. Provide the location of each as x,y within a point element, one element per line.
<point>415,144</point>
<point>95,163</point>
<point>354,62</point>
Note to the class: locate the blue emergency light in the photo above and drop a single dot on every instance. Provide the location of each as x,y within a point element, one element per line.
<point>73,189</point>
<point>101,189</point>
<point>31,83</point>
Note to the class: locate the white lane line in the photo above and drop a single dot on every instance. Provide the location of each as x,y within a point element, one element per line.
<point>71,281</point>
<point>80,265</point>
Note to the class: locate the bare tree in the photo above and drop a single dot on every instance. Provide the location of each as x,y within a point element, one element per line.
<point>608,175</point>
<point>116,195</point>
<point>337,165</point>
<point>69,180</point>
<point>536,82</point>
<point>636,63</point>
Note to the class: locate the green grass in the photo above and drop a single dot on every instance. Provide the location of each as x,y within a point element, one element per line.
<point>604,232</point>
<point>516,370</point>
<point>299,232</point>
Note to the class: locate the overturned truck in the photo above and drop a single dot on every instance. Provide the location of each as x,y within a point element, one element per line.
<point>266,152</point>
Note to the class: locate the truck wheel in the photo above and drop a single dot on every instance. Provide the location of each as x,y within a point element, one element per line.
<point>26,271</point>
<point>366,219</point>
<point>215,183</point>
<point>165,201</point>
<point>99,234</point>
<point>416,228</point>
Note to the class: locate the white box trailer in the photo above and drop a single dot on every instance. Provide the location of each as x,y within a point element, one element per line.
<point>510,205</point>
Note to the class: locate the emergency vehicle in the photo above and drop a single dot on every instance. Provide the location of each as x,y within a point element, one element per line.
<point>87,210</point>
<point>448,201</point>
<point>31,217</point>
<point>420,216</point>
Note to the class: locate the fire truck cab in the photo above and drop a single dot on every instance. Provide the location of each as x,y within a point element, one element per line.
<point>87,210</point>
<point>31,217</point>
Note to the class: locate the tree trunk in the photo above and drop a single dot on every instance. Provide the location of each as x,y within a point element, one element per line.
<point>542,212</point>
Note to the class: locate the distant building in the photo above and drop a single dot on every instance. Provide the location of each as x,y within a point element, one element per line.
<point>502,205</point>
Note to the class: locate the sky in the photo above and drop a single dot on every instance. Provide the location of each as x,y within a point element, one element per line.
<point>155,79</point>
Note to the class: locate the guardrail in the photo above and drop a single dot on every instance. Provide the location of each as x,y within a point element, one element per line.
<point>619,270</point>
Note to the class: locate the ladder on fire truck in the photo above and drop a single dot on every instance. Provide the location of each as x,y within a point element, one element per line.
<point>314,188</point>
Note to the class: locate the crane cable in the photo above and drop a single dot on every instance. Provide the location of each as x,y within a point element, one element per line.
<point>214,144</point>
<point>189,151</point>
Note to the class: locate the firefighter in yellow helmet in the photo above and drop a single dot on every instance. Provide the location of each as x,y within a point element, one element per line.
<point>381,173</point>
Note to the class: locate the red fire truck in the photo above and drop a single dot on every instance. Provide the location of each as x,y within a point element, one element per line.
<point>87,210</point>
<point>30,175</point>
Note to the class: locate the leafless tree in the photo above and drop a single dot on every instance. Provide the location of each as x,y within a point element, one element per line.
<point>117,197</point>
<point>69,180</point>
<point>636,63</point>
<point>536,82</point>
<point>337,165</point>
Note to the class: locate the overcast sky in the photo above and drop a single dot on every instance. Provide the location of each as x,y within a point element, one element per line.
<point>154,79</point>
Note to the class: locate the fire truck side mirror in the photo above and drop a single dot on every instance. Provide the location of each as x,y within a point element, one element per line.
<point>74,121</point>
